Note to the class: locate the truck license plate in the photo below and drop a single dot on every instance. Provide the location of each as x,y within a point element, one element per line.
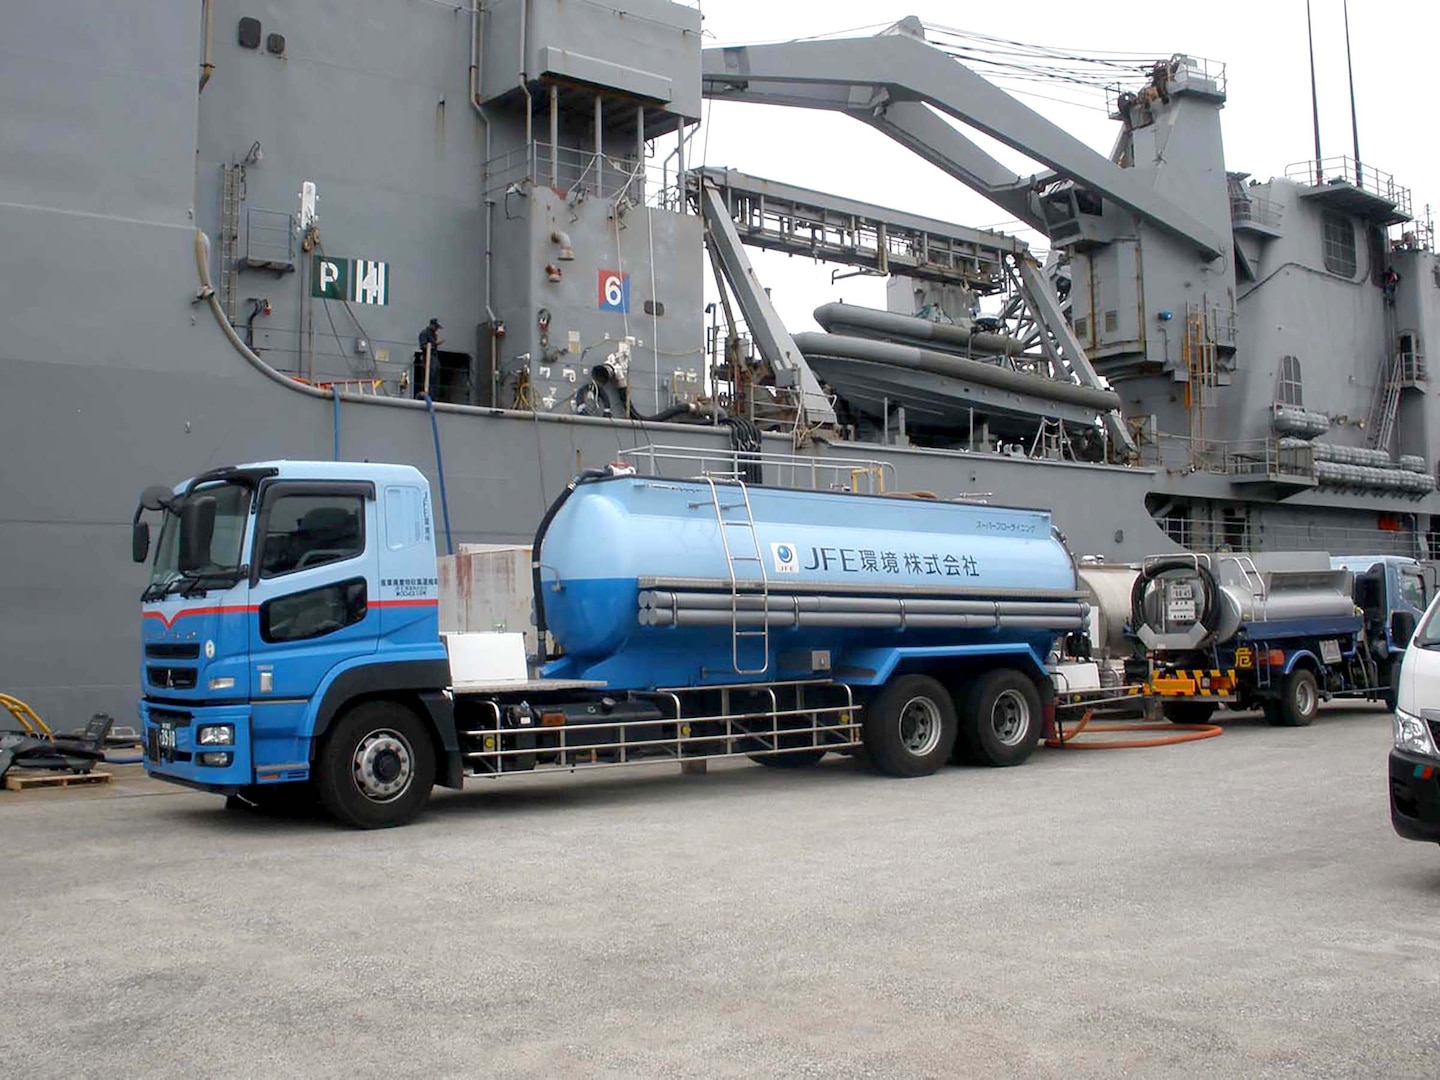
<point>1330,651</point>
<point>160,744</point>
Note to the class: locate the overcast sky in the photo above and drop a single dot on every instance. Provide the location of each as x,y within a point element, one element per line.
<point>1266,122</point>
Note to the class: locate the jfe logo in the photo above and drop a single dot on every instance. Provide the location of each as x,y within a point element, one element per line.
<point>614,291</point>
<point>787,560</point>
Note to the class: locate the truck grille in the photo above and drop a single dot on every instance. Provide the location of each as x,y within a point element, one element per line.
<point>173,651</point>
<point>171,678</point>
<point>1434,730</point>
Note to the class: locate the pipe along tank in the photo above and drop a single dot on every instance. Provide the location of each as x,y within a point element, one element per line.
<point>647,582</point>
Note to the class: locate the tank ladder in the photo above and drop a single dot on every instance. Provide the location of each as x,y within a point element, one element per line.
<point>732,558</point>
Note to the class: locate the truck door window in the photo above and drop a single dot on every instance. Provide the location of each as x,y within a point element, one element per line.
<point>314,612</point>
<point>305,531</point>
<point>403,518</point>
<point>1412,590</point>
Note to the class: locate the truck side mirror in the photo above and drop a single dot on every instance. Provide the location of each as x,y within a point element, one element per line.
<point>1402,628</point>
<point>197,530</point>
<point>139,541</point>
<point>156,497</point>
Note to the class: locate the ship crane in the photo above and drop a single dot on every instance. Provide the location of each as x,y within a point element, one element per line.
<point>888,80</point>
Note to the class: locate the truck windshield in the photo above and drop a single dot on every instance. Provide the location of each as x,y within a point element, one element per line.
<point>222,562</point>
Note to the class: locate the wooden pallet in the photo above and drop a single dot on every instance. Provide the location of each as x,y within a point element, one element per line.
<point>24,779</point>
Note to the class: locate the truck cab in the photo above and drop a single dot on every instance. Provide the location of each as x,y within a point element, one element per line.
<point>1393,591</point>
<point>280,594</point>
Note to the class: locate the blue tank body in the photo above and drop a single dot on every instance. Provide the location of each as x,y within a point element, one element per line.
<point>636,585</point>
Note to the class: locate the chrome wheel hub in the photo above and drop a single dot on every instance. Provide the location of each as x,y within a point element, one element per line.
<point>1010,717</point>
<point>383,765</point>
<point>920,726</point>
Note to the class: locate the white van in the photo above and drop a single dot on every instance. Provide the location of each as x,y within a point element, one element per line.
<point>1415,758</point>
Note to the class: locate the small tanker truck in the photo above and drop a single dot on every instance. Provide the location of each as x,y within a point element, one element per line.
<point>291,642</point>
<point>1279,631</point>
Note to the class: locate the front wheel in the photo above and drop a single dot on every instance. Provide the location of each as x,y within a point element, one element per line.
<point>377,766</point>
<point>1299,701</point>
<point>910,726</point>
<point>1391,673</point>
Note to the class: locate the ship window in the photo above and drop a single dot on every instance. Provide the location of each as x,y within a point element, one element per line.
<point>1338,244</point>
<point>305,531</point>
<point>1289,391</point>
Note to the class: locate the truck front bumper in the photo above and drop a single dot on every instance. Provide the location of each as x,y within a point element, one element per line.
<point>1415,796</point>
<point>170,735</point>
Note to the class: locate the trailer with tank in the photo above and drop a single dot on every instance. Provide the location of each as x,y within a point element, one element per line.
<point>291,642</point>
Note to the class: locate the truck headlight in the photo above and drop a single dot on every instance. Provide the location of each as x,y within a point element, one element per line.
<point>1412,734</point>
<point>223,682</point>
<point>216,735</point>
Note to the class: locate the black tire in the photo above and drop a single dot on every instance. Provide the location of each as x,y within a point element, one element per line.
<point>1002,719</point>
<point>909,727</point>
<point>1189,712</point>
<point>1298,703</point>
<point>1391,672</point>
<point>791,759</point>
<point>397,767</point>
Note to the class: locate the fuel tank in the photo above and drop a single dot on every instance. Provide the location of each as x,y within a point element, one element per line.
<point>1183,603</point>
<point>1107,589</point>
<point>647,581</point>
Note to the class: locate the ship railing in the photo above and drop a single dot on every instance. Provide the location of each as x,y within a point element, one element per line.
<point>1346,170</point>
<point>641,182</point>
<point>1181,71</point>
<point>1256,209</point>
<point>867,476</point>
<point>1254,457</point>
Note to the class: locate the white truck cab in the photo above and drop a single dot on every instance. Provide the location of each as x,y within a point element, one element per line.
<point>1415,757</point>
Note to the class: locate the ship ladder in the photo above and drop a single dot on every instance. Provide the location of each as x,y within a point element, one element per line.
<point>734,557</point>
<point>232,193</point>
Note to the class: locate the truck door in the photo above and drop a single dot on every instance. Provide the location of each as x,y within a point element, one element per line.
<point>408,585</point>
<point>311,584</point>
<point>1370,592</point>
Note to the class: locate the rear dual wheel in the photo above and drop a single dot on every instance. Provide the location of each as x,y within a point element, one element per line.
<point>910,726</point>
<point>1001,719</point>
<point>1189,712</point>
<point>1298,703</point>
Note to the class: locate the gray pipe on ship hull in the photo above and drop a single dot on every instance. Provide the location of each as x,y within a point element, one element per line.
<point>956,367</point>
<point>862,322</point>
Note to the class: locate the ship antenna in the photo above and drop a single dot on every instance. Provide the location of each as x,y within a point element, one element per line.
<point>1354,124</point>
<point>1314,95</point>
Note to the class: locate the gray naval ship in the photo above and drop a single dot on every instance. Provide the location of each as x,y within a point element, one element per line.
<point>224,223</point>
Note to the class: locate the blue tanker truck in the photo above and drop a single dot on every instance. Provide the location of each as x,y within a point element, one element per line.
<point>1279,631</point>
<point>291,643</point>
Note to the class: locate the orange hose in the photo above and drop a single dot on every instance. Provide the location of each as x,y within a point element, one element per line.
<point>1187,733</point>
